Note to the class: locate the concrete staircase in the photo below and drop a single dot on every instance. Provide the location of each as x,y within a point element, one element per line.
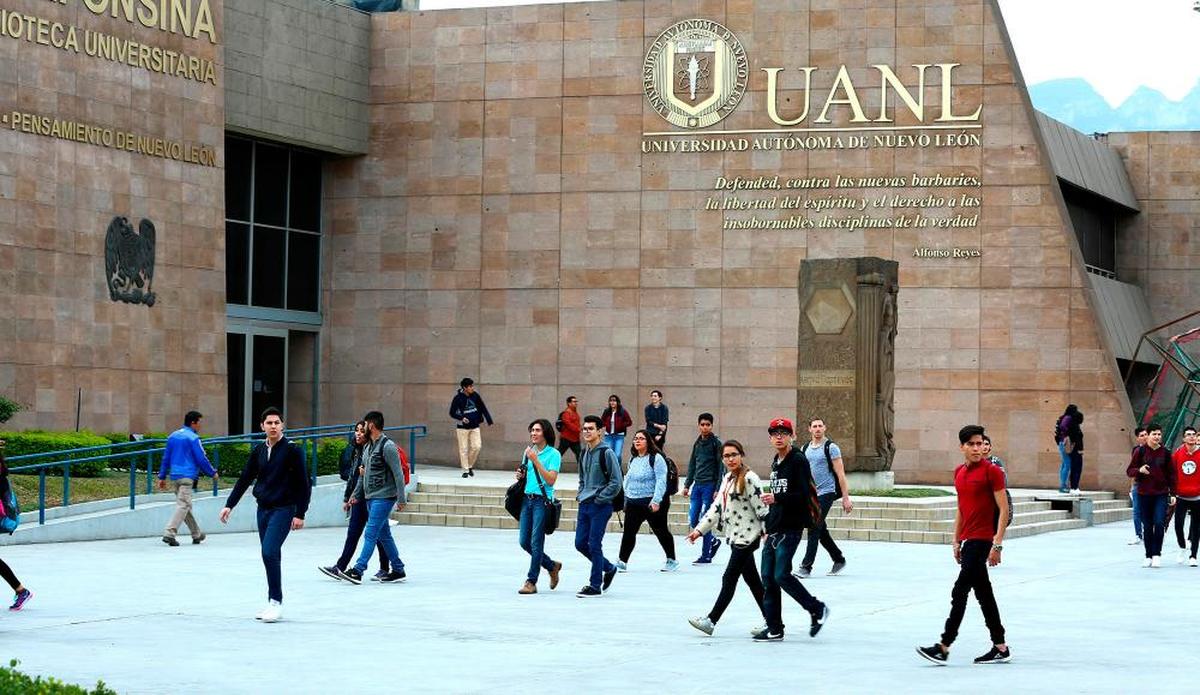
<point>919,520</point>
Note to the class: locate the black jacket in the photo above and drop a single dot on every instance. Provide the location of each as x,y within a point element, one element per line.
<point>470,407</point>
<point>796,506</point>
<point>704,466</point>
<point>278,482</point>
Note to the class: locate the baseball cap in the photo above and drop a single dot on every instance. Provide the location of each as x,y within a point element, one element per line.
<point>781,423</point>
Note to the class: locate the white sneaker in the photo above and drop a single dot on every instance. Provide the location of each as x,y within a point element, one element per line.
<point>760,628</point>
<point>1183,555</point>
<point>622,567</point>
<point>1135,541</point>
<point>704,624</point>
<point>1146,562</point>
<point>1156,561</point>
<point>1076,492</point>
<point>272,613</point>
<point>1191,562</point>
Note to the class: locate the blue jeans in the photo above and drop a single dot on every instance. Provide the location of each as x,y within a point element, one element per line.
<point>1154,522</point>
<point>1064,469</point>
<point>701,500</point>
<point>616,442</point>
<point>532,536</point>
<point>274,525</point>
<point>1135,499</point>
<point>354,531</point>
<point>590,525</point>
<point>777,556</point>
<point>378,531</point>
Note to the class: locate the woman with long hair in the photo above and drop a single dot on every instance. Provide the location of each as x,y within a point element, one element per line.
<point>22,595</point>
<point>738,511</point>
<point>1068,433</point>
<point>540,463</point>
<point>356,512</point>
<point>646,499</point>
<point>615,421</point>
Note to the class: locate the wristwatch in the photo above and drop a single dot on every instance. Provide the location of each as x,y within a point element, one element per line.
<point>997,547</point>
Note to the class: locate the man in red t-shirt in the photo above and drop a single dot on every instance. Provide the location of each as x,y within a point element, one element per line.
<point>1187,493</point>
<point>568,429</point>
<point>978,533</point>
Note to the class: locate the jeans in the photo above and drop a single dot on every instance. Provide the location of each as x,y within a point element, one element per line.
<point>973,574</point>
<point>378,531</point>
<point>1182,508</point>
<point>1064,469</point>
<point>821,533</point>
<point>616,442</point>
<point>638,511</point>
<point>1154,520</point>
<point>1137,511</point>
<point>741,565</point>
<point>532,536</point>
<point>590,524</point>
<point>701,500</point>
<point>564,446</point>
<point>777,575</point>
<point>1076,458</point>
<point>274,525</point>
<point>354,531</point>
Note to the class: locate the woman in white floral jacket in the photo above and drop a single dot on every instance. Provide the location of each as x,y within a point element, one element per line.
<point>738,512</point>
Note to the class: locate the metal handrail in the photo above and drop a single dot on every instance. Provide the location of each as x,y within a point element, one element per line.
<point>308,438</point>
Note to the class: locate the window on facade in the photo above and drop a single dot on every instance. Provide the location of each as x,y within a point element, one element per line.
<point>1094,219</point>
<point>272,225</point>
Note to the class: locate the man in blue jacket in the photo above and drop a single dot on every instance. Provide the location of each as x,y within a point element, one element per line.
<point>184,460</point>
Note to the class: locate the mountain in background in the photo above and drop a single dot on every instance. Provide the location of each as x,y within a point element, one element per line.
<point>1075,102</point>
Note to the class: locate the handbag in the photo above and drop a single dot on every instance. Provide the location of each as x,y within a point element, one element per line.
<point>514,498</point>
<point>553,507</point>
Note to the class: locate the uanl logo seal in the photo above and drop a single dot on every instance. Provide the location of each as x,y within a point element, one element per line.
<point>695,73</point>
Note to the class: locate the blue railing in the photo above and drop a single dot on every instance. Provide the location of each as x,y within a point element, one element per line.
<point>151,450</point>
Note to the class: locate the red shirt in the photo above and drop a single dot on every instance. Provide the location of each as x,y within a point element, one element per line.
<point>1187,472</point>
<point>977,486</point>
<point>570,428</point>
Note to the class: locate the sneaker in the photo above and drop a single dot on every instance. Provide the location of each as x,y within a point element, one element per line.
<point>702,560</point>
<point>378,576</point>
<point>622,567</point>
<point>588,591</point>
<point>1191,562</point>
<point>1135,541</point>
<point>935,654</point>
<point>837,567</point>
<point>765,635</point>
<point>465,474</point>
<point>471,471</point>
<point>20,599</point>
<point>1183,555</point>
<point>197,540</point>
<point>802,573</point>
<point>554,575</point>
<point>351,575</point>
<point>273,612</point>
<point>715,547</point>
<point>670,566</point>
<point>331,572</point>
<point>609,576</point>
<point>704,624</point>
<point>1156,561</point>
<point>818,621</point>
<point>170,540</point>
<point>262,611</point>
<point>758,629</point>
<point>393,577</point>
<point>527,588</point>
<point>1063,490</point>
<point>1146,562</point>
<point>995,656</point>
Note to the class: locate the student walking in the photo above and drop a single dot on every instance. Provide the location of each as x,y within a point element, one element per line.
<point>356,513</point>
<point>1139,438</point>
<point>615,422</point>
<point>792,507</point>
<point>540,464</point>
<point>700,486</point>
<point>381,489</point>
<point>468,411</point>
<point>657,418</point>
<point>1068,434</point>
<point>599,483</point>
<point>646,499</point>
<point>282,490</point>
<point>738,511</point>
<point>829,475</point>
<point>979,524</point>
<point>568,428</point>
<point>184,460</point>
<point>1186,461</point>
<point>21,595</point>
<point>1152,470</point>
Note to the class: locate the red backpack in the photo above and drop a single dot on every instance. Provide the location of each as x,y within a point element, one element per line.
<point>404,465</point>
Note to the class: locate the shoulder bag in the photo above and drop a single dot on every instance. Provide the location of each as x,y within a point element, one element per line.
<point>553,506</point>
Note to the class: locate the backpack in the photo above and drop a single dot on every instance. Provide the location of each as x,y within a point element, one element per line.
<point>405,469</point>
<point>837,484</point>
<point>618,502</point>
<point>558,424</point>
<point>10,512</point>
<point>1008,495</point>
<point>672,475</point>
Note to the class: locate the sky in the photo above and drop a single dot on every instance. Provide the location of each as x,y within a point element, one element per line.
<point>1116,45</point>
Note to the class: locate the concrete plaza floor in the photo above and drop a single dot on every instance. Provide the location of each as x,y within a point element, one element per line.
<point>1081,613</point>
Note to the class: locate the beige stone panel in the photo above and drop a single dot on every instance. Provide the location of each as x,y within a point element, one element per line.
<point>520,241</point>
<point>758,337</point>
<point>598,336</point>
<point>524,52</point>
<point>390,67</point>
<point>599,143</point>
<point>447,55</point>
<point>442,336</point>
<point>744,414</point>
<point>779,30</point>
<point>600,239</point>
<point>442,248</point>
<point>603,49</point>
<point>681,243</point>
<point>519,336</point>
<point>522,146</point>
<point>443,145</point>
<point>660,14</point>
<point>679,337</point>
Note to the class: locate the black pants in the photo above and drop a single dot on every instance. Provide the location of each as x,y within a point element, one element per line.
<point>564,446</point>
<point>973,574</point>
<point>741,566</point>
<point>1182,508</point>
<point>821,534</point>
<point>354,531</point>
<point>7,573</point>
<point>637,511</point>
<point>1076,467</point>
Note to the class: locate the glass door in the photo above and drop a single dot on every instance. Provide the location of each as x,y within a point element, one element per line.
<point>257,374</point>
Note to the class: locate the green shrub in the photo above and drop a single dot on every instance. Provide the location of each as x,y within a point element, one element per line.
<point>122,463</point>
<point>8,409</point>
<point>13,682</point>
<point>39,442</point>
<point>329,452</point>
<point>228,457</point>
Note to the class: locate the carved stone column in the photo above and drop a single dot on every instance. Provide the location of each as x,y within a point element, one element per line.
<point>870,287</point>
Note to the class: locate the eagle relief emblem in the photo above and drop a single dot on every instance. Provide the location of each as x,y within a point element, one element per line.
<point>129,261</point>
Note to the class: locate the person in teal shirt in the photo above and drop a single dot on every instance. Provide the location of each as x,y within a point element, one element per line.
<point>539,467</point>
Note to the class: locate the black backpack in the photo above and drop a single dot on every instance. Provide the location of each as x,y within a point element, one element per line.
<point>672,475</point>
<point>1008,495</point>
<point>837,483</point>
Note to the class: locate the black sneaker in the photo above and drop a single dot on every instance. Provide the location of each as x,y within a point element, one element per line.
<point>331,572</point>
<point>170,540</point>
<point>837,567</point>
<point>588,591</point>
<point>351,575</point>
<point>802,573</point>
<point>608,578</point>
<point>715,547</point>
<point>995,656</point>
<point>393,577</point>
<point>935,654</point>
<point>818,621</point>
<point>471,472</point>
<point>702,560</point>
<point>465,474</point>
<point>765,635</point>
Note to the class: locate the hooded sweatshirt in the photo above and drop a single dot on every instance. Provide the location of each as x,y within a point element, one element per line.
<point>1161,479</point>
<point>796,506</point>
<point>470,408</point>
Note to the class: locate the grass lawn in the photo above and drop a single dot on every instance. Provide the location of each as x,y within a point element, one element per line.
<point>907,492</point>
<point>107,486</point>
